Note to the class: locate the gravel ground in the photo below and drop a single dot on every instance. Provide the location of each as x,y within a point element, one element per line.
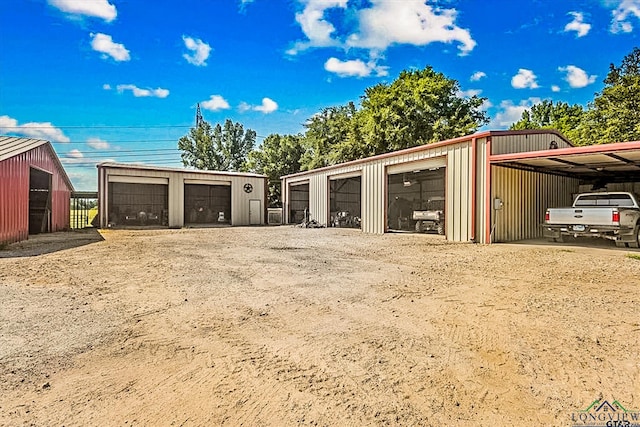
<point>289,326</point>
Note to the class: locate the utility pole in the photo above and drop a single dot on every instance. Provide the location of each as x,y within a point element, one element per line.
<point>199,119</point>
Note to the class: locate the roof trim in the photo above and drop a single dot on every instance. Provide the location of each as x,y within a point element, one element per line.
<point>114,165</point>
<point>588,149</point>
<point>18,145</point>
<point>483,134</point>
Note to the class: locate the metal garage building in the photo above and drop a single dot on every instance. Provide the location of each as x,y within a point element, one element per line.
<point>154,196</point>
<point>35,190</point>
<point>486,198</point>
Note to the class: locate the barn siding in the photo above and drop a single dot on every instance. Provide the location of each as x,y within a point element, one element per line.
<point>14,193</point>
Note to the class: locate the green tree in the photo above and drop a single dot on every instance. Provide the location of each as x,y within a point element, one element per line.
<point>278,155</point>
<point>419,107</point>
<point>223,148</point>
<point>331,137</point>
<point>614,114</point>
<point>561,116</point>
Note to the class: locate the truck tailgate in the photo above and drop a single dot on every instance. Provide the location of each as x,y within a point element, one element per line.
<point>591,215</point>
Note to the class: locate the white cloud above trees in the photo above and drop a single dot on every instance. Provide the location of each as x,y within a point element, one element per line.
<point>354,68</point>
<point>215,103</point>
<point>525,79</point>
<point>379,25</point>
<point>577,77</point>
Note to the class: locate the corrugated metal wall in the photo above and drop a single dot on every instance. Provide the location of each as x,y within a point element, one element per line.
<point>14,193</point>
<point>520,143</point>
<point>457,159</point>
<point>526,195</point>
<point>482,191</point>
<point>239,197</point>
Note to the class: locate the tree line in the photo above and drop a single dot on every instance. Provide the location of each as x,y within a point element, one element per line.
<point>419,107</point>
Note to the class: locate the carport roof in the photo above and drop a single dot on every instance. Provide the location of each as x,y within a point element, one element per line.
<point>611,162</point>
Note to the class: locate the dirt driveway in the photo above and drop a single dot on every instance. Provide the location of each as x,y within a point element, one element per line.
<point>288,326</point>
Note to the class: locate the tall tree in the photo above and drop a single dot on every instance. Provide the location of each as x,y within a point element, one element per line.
<point>419,107</point>
<point>333,136</point>
<point>561,116</point>
<point>614,114</point>
<point>278,155</point>
<point>223,148</point>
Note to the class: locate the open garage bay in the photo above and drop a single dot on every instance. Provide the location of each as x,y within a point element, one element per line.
<point>291,326</point>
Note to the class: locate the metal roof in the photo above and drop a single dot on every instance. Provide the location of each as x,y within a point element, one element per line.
<point>11,146</point>
<point>478,135</point>
<point>617,162</point>
<point>131,166</point>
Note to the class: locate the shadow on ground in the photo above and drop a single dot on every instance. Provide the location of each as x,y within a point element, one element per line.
<point>40,244</point>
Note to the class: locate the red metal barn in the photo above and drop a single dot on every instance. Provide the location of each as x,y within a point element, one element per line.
<point>35,190</point>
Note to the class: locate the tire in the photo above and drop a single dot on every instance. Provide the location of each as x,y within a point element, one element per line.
<point>419,226</point>
<point>636,238</point>
<point>558,239</point>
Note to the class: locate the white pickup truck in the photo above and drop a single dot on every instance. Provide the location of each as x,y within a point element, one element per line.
<point>609,215</point>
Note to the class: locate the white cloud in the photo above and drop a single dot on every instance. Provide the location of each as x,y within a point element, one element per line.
<point>140,92</point>
<point>314,25</point>
<point>268,106</point>
<point>524,79</point>
<point>199,51</point>
<point>354,68</point>
<point>39,130</point>
<point>510,113</point>
<point>411,22</point>
<point>577,77</point>
<point>578,25</point>
<point>555,88</point>
<point>104,43</point>
<point>477,76</point>
<point>382,24</point>
<point>98,144</point>
<point>625,10</point>
<point>106,86</point>
<point>96,8</point>
<point>215,103</point>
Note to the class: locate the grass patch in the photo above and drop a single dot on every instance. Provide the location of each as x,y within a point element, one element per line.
<point>634,256</point>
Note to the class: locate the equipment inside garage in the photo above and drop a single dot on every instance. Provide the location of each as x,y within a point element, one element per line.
<point>345,198</point>
<point>416,201</point>
<point>207,204</point>
<point>298,202</point>
<point>138,204</point>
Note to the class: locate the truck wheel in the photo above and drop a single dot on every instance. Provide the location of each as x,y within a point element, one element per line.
<point>558,239</point>
<point>636,238</point>
<point>419,226</point>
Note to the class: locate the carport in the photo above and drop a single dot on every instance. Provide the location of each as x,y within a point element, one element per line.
<point>518,201</point>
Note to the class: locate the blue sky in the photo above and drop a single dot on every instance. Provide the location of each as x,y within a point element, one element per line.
<point>120,79</point>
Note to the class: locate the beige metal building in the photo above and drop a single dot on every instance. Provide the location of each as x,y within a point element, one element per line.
<point>483,200</point>
<point>155,196</point>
